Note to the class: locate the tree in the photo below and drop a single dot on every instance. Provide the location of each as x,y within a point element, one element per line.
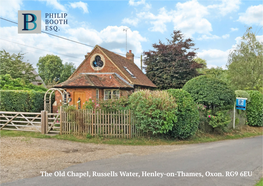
<point>171,65</point>
<point>203,62</point>
<point>245,63</point>
<point>218,73</point>
<point>68,69</point>
<point>50,68</point>
<point>13,64</point>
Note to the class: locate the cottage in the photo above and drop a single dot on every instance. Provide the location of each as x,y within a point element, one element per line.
<point>103,75</point>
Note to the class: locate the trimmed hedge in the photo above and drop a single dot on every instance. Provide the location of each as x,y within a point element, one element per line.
<point>187,116</point>
<point>155,111</point>
<point>242,94</point>
<point>255,108</point>
<point>210,92</point>
<point>21,100</point>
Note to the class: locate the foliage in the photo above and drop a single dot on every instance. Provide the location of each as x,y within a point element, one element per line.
<point>21,100</point>
<point>255,109</point>
<point>8,83</point>
<point>219,119</point>
<point>89,104</point>
<point>203,62</point>
<point>49,68</point>
<point>114,104</point>
<point>245,64</point>
<point>218,73</point>
<point>242,94</point>
<point>155,111</point>
<point>210,92</point>
<point>68,69</point>
<point>171,65</point>
<point>13,64</point>
<point>187,115</point>
<point>69,108</point>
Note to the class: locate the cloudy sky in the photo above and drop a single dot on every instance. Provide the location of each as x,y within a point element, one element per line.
<point>215,26</point>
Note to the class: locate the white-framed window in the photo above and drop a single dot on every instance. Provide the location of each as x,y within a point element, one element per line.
<point>111,94</point>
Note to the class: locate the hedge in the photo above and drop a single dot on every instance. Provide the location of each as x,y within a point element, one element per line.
<point>155,111</point>
<point>242,94</point>
<point>210,92</point>
<point>21,100</point>
<point>255,108</point>
<point>188,115</point>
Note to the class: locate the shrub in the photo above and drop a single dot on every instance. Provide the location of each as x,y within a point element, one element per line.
<point>255,108</point>
<point>155,111</point>
<point>187,116</point>
<point>210,92</point>
<point>8,83</point>
<point>113,105</point>
<point>219,119</point>
<point>89,104</point>
<point>242,94</point>
<point>21,100</point>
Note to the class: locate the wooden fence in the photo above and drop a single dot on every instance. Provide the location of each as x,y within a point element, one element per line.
<point>119,124</point>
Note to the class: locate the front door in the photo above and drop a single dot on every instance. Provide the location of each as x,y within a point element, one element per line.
<point>79,99</point>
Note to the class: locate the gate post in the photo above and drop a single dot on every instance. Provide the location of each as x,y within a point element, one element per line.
<point>43,122</point>
<point>61,119</point>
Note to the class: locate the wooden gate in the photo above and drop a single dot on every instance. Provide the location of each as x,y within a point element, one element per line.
<point>22,121</point>
<point>53,123</point>
<point>44,122</point>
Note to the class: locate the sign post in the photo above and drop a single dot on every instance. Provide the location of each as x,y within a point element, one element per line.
<point>240,105</point>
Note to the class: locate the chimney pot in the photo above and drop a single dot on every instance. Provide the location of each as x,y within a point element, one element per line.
<point>130,56</point>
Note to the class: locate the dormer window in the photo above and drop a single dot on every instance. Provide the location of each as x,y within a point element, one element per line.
<point>133,76</point>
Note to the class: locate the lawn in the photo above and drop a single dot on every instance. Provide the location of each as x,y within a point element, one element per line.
<point>199,137</point>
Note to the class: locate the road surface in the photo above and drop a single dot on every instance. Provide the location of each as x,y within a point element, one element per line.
<point>224,163</point>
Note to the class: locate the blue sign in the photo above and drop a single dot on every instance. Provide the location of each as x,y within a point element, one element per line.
<point>241,103</point>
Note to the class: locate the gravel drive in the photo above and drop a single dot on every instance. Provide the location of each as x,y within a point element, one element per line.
<point>25,157</point>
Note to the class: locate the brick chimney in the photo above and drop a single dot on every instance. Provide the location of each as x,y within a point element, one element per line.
<point>130,56</point>
<point>87,55</point>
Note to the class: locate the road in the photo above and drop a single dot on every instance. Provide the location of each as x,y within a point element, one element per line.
<point>224,163</point>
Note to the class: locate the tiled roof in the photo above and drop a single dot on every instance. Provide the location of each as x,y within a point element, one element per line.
<point>122,62</point>
<point>99,80</point>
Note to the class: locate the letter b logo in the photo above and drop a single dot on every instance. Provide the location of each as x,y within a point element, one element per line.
<point>29,22</point>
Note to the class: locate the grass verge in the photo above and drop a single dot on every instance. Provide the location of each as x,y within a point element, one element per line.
<point>199,137</point>
<point>260,183</point>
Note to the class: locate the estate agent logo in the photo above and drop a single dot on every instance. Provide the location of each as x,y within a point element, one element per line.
<point>29,21</point>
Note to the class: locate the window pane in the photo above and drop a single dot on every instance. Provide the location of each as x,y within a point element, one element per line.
<point>107,94</point>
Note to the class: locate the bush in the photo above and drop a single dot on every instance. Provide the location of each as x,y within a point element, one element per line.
<point>155,111</point>
<point>21,100</point>
<point>242,94</point>
<point>187,116</point>
<point>219,119</point>
<point>210,92</point>
<point>113,105</point>
<point>255,109</point>
<point>8,83</point>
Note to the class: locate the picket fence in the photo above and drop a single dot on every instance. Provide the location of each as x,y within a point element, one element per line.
<point>120,124</point>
